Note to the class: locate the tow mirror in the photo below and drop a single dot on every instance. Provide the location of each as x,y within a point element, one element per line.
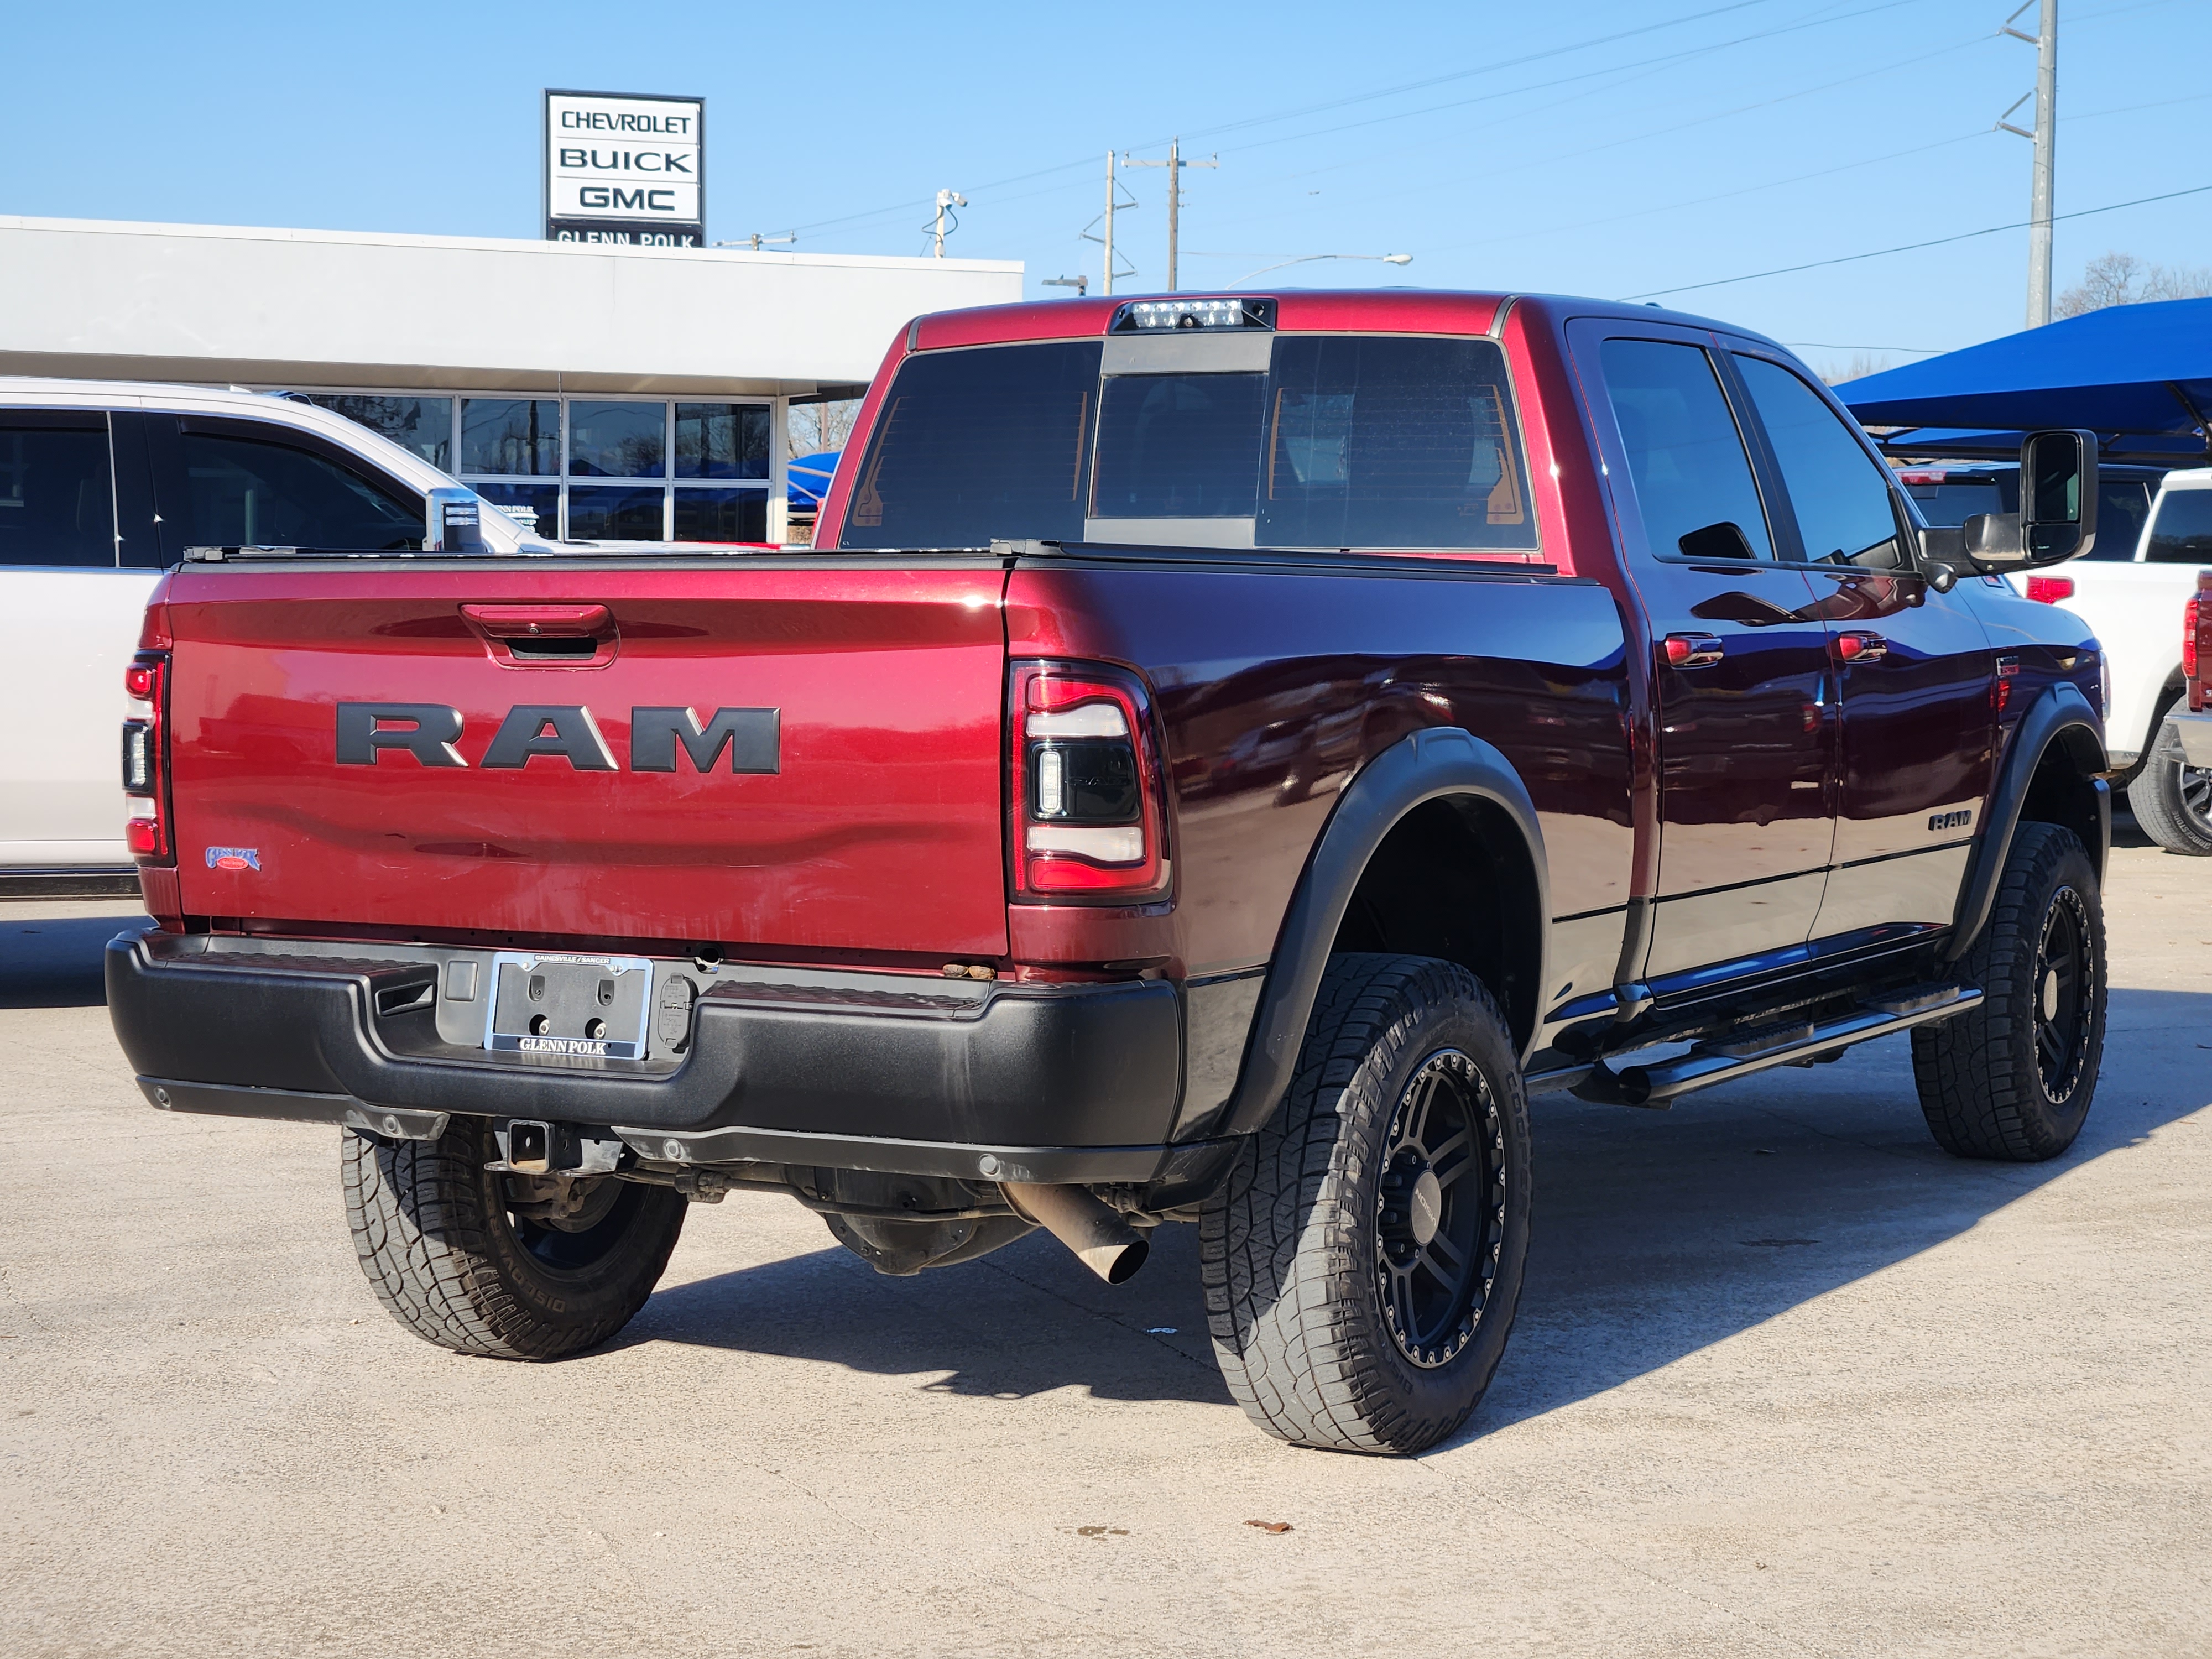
<point>2057,495</point>
<point>2057,516</point>
<point>453,521</point>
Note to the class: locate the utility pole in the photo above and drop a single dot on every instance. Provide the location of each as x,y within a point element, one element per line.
<point>1107,286</point>
<point>946,199</point>
<point>1174,164</point>
<point>2045,42</point>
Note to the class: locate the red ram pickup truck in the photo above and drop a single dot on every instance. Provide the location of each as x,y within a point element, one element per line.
<point>1221,757</point>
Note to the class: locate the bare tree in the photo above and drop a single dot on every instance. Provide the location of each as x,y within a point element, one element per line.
<point>814,428</point>
<point>2121,279</point>
<point>1863,363</point>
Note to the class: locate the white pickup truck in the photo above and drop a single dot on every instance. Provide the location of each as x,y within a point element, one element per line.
<point>102,486</point>
<point>2136,606</point>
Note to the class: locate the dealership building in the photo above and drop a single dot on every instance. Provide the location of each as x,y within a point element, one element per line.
<point>629,392</point>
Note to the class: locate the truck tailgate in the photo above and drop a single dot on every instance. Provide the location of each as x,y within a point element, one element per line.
<point>879,828</point>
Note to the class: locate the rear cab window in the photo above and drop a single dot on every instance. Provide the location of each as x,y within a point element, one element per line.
<point>1352,442</point>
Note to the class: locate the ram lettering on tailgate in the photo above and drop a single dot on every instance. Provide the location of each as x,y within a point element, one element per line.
<point>431,732</point>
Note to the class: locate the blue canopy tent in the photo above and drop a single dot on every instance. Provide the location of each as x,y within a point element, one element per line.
<point>806,479</point>
<point>2139,376</point>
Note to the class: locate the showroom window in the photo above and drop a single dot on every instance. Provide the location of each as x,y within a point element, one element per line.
<point>593,469</point>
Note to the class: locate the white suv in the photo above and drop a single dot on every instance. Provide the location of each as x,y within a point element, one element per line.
<point>103,484</point>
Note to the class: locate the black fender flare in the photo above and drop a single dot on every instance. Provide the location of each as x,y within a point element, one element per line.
<point>1431,763</point>
<point>2059,715</point>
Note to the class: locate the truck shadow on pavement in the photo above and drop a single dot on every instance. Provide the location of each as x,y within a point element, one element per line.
<point>57,962</point>
<point>1657,1234</point>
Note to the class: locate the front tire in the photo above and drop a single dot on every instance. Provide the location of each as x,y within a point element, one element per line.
<point>1364,1260</point>
<point>2013,1079</point>
<point>2173,799</point>
<point>451,1262</point>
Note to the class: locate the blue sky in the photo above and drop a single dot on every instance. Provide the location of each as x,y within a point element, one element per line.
<point>1564,148</point>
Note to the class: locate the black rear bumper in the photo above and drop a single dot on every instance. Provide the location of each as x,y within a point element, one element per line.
<point>1009,1081</point>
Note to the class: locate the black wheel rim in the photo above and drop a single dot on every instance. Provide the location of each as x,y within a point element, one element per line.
<point>573,1249</point>
<point>2196,792</point>
<point>1440,1209</point>
<point>2064,993</point>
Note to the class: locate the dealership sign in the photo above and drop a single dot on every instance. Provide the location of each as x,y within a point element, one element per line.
<point>625,168</point>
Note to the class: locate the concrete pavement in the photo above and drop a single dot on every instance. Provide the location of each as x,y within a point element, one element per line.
<point>1787,1380</point>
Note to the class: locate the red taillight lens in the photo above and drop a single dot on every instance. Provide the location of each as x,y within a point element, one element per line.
<point>145,759</point>
<point>2051,590</point>
<point>1087,818</point>
<point>2196,624</point>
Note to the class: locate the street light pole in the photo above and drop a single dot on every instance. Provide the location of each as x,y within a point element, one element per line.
<point>1307,258</point>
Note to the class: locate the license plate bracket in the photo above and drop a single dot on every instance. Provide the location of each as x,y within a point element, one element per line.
<point>553,1005</point>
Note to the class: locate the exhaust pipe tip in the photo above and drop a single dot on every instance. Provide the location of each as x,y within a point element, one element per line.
<point>1101,1240</point>
<point>1117,1264</point>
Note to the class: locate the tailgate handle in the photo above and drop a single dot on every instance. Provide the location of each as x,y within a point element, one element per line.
<point>525,621</point>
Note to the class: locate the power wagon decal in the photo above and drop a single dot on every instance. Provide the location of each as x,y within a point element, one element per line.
<point>753,738</point>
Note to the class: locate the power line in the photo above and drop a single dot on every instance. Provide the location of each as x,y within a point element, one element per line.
<point>1829,345</point>
<point>1388,92</point>
<point>1910,247</point>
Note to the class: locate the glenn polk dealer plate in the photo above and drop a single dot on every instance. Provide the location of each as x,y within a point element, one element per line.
<point>554,1006</point>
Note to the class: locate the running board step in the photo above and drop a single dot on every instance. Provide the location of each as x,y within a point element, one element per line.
<point>1794,1043</point>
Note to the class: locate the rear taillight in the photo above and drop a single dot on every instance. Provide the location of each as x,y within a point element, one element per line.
<point>2197,641</point>
<point>145,759</point>
<point>2051,590</point>
<point>1087,818</point>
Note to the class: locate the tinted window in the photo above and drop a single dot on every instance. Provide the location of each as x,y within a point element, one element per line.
<point>2123,504</point>
<point>1684,455</point>
<point>617,441</point>
<point>1839,492</point>
<point>721,441</point>
<point>1950,504</point>
<point>721,515</point>
<point>2182,532</point>
<point>424,425</point>
<point>57,500</point>
<point>600,515</point>
<point>974,446</point>
<point>1179,447</point>
<point>1392,443</point>
<point>519,436</point>
<point>246,493</point>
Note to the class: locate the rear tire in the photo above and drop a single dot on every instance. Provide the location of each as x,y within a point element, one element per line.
<point>1364,1260</point>
<point>2014,1079</point>
<point>2173,799</point>
<point>451,1262</point>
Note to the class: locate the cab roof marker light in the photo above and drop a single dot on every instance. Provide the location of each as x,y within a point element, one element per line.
<point>1162,316</point>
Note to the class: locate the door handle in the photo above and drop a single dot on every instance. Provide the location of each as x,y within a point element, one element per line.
<point>522,622</point>
<point>1693,650</point>
<point>1859,646</point>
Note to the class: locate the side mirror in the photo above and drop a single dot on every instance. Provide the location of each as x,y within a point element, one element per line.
<point>2057,516</point>
<point>2057,495</point>
<point>453,521</point>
